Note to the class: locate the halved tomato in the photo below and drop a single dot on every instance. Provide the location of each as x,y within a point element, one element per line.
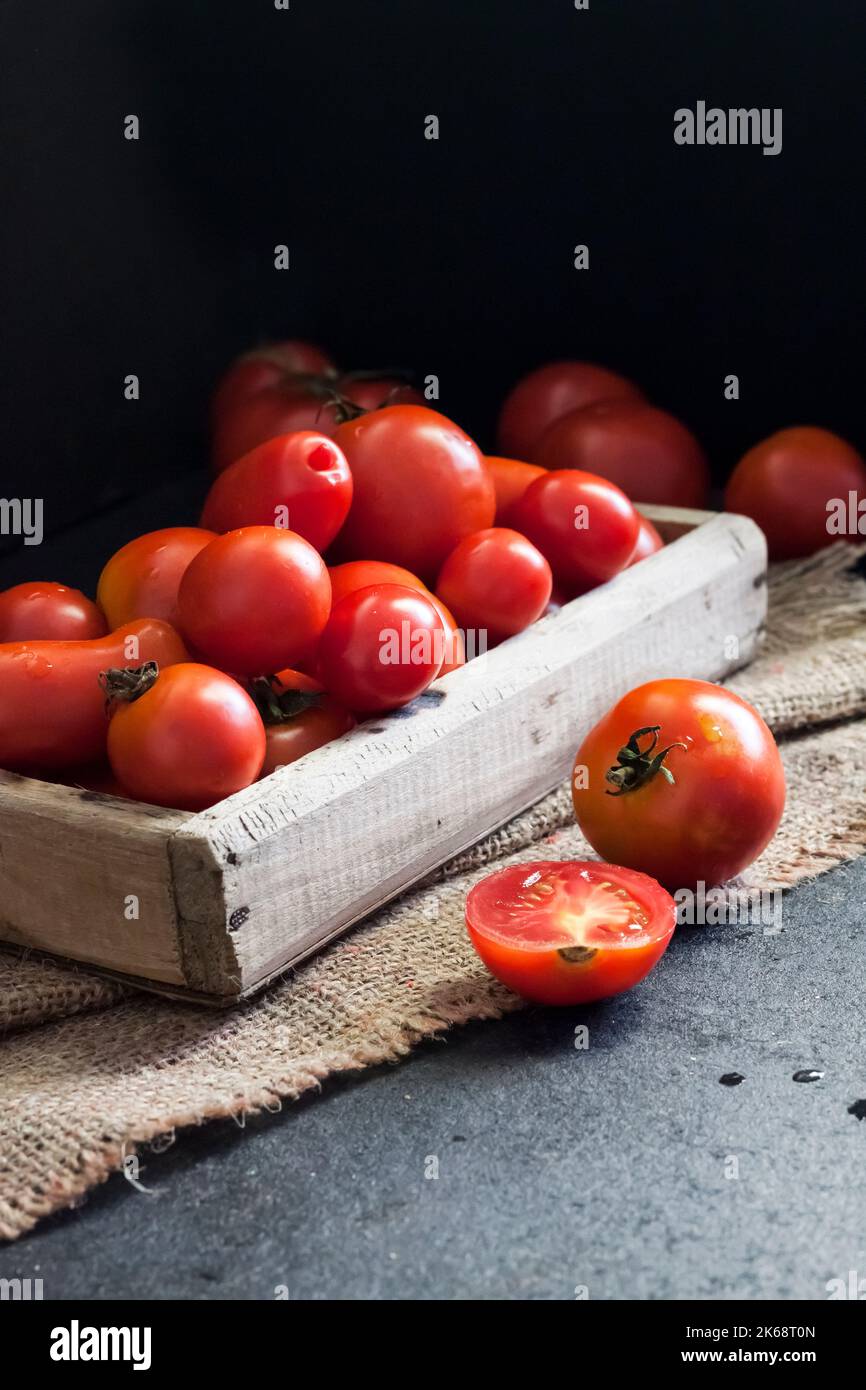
<point>570,931</point>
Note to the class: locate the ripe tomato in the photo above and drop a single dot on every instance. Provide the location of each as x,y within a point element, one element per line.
<point>299,717</point>
<point>682,780</point>
<point>648,541</point>
<point>267,366</point>
<point>381,648</point>
<point>298,480</point>
<point>255,600</point>
<point>511,478</point>
<point>785,485</point>
<point>583,525</point>
<point>569,932</point>
<point>42,611</point>
<point>142,579</point>
<point>301,403</point>
<point>549,393</point>
<point>645,451</point>
<point>52,709</point>
<point>184,737</point>
<point>373,393</point>
<point>420,486</point>
<point>360,574</point>
<point>495,581</point>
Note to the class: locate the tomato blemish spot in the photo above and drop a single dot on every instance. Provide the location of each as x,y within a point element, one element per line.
<point>321,459</point>
<point>577,955</point>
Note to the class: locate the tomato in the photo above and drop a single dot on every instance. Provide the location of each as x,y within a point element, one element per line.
<point>360,574</point>
<point>297,480</point>
<point>569,932</point>
<point>264,367</point>
<point>648,542</point>
<point>41,611</point>
<point>584,526</point>
<point>648,453</point>
<point>52,709</point>
<point>142,579</point>
<point>255,600</point>
<point>299,717</point>
<point>186,737</point>
<point>420,485</point>
<point>549,393</point>
<point>788,483</point>
<point>381,648</point>
<point>301,403</point>
<point>682,780</point>
<point>375,392</point>
<point>511,478</point>
<point>495,581</point>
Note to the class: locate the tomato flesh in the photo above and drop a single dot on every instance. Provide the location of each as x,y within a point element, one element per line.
<point>569,932</point>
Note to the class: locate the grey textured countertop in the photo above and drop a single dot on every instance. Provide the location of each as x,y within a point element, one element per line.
<point>558,1167</point>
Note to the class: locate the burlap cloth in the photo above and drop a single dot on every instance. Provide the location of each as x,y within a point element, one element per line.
<point>90,1070</point>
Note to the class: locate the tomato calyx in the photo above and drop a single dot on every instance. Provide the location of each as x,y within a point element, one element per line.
<point>276,703</point>
<point>128,683</point>
<point>635,766</point>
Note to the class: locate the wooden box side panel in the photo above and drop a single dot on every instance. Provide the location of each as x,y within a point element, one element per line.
<point>88,877</point>
<point>320,844</point>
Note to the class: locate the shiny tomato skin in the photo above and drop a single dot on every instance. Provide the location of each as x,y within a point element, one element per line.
<point>194,738</point>
<point>255,600</point>
<point>511,478</point>
<point>299,480</point>
<point>275,410</point>
<point>584,526</point>
<point>550,392</point>
<point>360,574</point>
<point>728,793</point>
<point>651,455</point>
<point>264,367</point>
<point>648,542</point>
<point>569,932</point>
<point>141,580</point>
<point>495,581</point>
<point>785,482</point>
<point>52,707</point>
<point>311,728</point>
<point>382,647</point>
<point>420,486</point>
<point>40,611</point>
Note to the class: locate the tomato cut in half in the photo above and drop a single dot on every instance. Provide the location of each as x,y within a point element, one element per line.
<point>570,931</point>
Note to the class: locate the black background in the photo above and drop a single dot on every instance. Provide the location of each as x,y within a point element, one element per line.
<point>453,257</point>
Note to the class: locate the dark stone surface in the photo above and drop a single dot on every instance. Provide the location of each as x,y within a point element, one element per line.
<point>558,1167</point>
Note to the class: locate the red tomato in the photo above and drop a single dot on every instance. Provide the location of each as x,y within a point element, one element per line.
<point>381,648</point>
<point>648,542</point>
<point>52,708</point>
<point>42,611</point>
<point>299,717</point>
<point>302,403</point>
<point>682,780</point>
<point>373,393</point>
<point>190,739</point>
<point>646,452</point>
<point>360,574</point>
<point>549,393</point>
<point>298,480</point>
<point>264,367</point>
<point>142,579</point>
<point>585,527</point>
<point>420,486</point>
<point>569,932</point>
<point>255,600</point>
<point>495,581</point>
<point>788,485</point>
<point>511,478</point>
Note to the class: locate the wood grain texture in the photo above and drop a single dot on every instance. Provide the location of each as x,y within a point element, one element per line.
<point>321,843</point>
<point>70,861</point>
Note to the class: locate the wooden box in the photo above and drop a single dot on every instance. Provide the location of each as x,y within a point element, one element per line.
<point>211,906</point>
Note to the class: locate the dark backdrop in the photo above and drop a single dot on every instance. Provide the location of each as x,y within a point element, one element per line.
<point>307,127</point>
